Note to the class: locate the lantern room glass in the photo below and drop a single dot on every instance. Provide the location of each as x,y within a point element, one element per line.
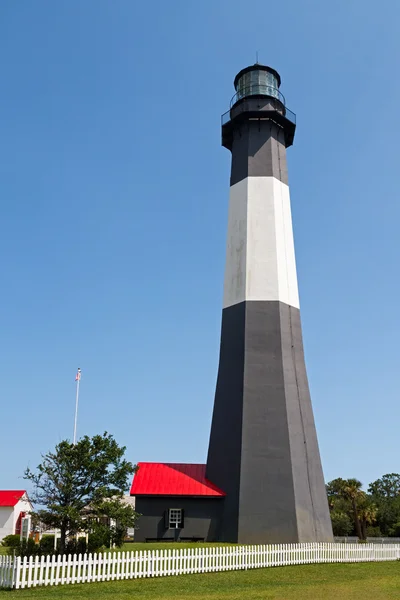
<point>257,82</point>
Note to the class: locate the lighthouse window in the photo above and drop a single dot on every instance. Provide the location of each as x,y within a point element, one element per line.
<point>244,85</point>
<point>258,82</point>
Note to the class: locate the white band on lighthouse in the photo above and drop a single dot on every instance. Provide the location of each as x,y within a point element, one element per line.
<point>260,260</point>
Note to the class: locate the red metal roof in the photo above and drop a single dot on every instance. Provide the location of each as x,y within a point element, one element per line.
<point>173,479</point>
<point>10,497</point>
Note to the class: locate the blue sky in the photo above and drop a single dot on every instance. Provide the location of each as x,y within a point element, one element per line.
<point>114,193</point>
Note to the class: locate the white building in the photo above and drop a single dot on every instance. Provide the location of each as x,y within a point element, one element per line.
<point>14,505</point>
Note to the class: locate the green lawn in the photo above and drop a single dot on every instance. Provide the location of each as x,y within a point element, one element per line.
<point>150,546</point>
<point>132,546</point>
<point>362,581</point>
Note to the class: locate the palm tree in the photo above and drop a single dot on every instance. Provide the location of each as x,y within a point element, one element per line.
<point>352,491</point>
<point>347,495</point>
<point>367,514</point>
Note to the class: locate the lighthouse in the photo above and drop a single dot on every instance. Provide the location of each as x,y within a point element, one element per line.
<point>263,449</point>
<point>263,481</point>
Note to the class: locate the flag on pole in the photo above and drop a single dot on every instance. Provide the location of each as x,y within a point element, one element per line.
<point>78,375</point>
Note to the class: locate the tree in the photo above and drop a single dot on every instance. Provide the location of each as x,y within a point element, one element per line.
<point>334,490</point>
<point>367,512</point>
<point>109,520</point>
<point>350,491</point>
<point>340,508</point>
<point>388,486</point>
<point>342,524</point>
<point>386,495</point>
<point>395,530</point>
<point>92,473</point>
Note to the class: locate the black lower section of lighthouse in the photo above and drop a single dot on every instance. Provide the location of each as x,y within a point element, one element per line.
<point>263,448</point>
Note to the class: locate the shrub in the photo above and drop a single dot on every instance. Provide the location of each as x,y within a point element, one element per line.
<point>26,548</point>
<point>81,546</point>
<point>374,532</point>
<point>99,537</point>
<point>11,541</point>
<point>395,530</point>
<point>75,546</point>
<point>70,546</point>
<point>46,547</point>
<point>118,536</point>
<point>341,523</point>
<point>46,544</point>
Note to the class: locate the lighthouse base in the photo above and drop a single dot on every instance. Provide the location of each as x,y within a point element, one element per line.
<point>263,448</point>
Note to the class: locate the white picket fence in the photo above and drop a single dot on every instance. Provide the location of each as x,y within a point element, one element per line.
<point>24,573</point>
<point>371,540</point>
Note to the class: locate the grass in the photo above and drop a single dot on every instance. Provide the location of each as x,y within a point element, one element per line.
<point>362,581</point>
<point>133,546</point>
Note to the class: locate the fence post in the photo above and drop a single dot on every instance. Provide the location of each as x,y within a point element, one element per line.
<point>16,572</point>
<point>4,571</point>
<point>10,571</point>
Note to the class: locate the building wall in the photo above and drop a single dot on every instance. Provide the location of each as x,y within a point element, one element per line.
<point>6,521</point>
<point>23,505</point>
<point>9,516</point>
<point>201,517</point>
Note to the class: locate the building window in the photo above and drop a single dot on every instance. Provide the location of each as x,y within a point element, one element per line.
<point>175,518</point>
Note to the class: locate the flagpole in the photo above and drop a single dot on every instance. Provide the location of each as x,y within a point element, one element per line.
<point>78,379</point>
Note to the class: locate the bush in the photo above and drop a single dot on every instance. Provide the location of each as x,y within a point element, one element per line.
<point>46,547</point>
<point>81,546</point>
<point>118,536</point>
<point>11,541</point>
<point>374,532</point>
<point>26,548</point>
<point>395,530</point>
<point>46,544</point>
<point>99,538</point>
<point>70,546</point>
<point>341,523</point>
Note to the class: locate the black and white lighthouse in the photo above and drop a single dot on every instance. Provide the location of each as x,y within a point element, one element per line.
<point>263,451</point>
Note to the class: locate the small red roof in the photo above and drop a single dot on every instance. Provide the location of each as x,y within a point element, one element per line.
<point>10,497</point>
<point>173,479</point>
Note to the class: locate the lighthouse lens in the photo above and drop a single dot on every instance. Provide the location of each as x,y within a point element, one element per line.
<point>258,82</point>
